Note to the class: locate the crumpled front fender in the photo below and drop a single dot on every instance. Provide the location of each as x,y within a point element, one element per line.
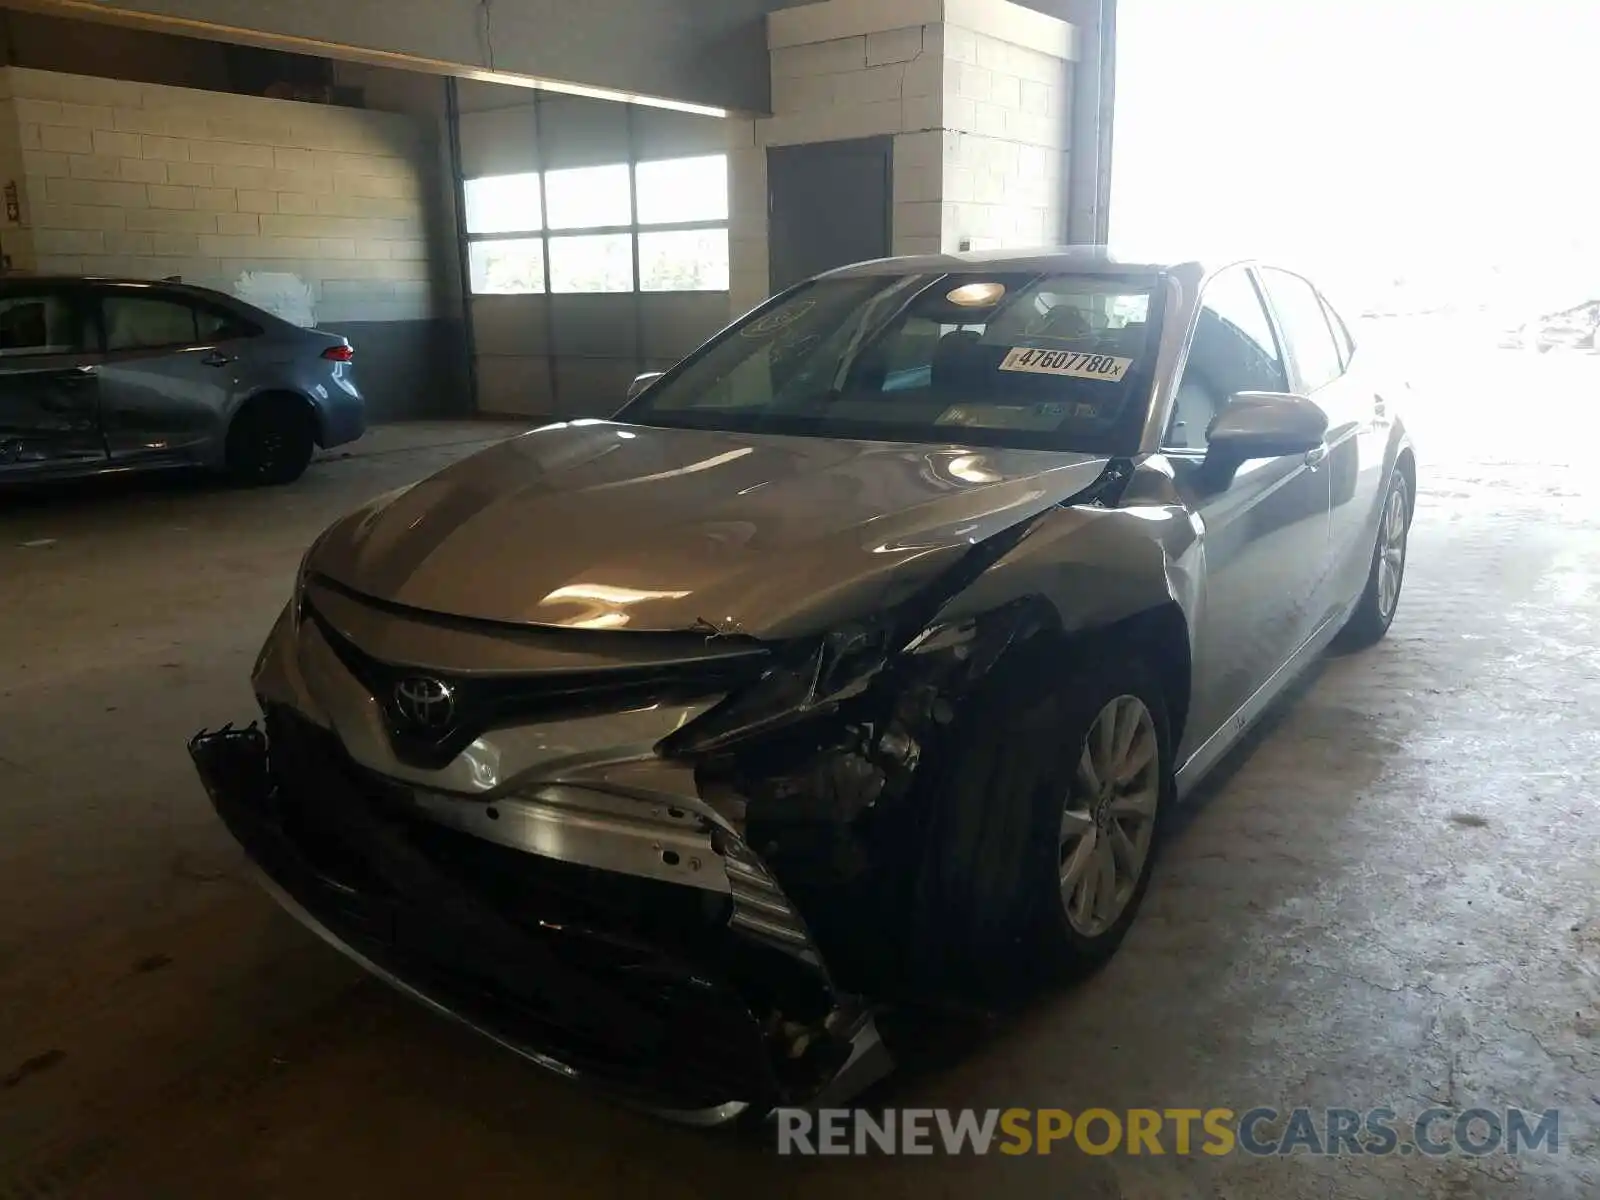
<point>1096,566</point>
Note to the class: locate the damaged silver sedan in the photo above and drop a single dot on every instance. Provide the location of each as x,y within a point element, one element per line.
<point>859,657</point>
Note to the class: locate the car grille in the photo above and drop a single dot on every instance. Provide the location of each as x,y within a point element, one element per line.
<point>481,704</point>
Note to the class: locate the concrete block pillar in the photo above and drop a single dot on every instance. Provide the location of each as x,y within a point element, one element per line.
<point>1008,80</point>
<point>975,93</point>
<point>747,217</point>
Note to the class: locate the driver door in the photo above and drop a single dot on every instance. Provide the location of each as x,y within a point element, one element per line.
<point>1265,534</point>
<point>49,382</point>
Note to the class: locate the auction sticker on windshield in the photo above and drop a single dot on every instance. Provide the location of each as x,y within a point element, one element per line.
<point>1106,367</point>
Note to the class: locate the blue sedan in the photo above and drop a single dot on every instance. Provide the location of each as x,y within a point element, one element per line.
<point>108,374</point>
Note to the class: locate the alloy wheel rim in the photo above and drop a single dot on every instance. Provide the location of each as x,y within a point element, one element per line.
<point>1109,816</point>
<point>271,450</point>
<point>1391,553</point>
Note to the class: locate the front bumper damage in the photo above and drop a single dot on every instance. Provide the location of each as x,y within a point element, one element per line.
<point>672,865</point>
<point>697,1001</point>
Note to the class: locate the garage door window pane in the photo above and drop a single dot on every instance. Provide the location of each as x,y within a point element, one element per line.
<point>512,267</point>
<point>589,197</point>
<point>38,325</point>
<point>683,189</point>
<point>148,324</point>
<point>594,263</point>
<point>504,204</point>
<point>686,261</point>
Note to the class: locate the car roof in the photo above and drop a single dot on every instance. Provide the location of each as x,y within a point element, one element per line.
<point>30,277</point>
<point>1092,260</point>
<point>195,291</point>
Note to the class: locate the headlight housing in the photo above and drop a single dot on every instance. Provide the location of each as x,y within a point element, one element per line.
<point>814,679</point>
<point>821,675</point>
<point>369,513</point>
<point>301,574</point>
<point>302,570</point>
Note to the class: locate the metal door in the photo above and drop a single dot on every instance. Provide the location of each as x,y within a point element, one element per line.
<point>829,205</point>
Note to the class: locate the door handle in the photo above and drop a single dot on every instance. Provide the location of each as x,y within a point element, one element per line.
<point>217,359</point>
<point>1315,455</point>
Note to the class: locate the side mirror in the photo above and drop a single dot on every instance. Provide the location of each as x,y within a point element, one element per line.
<point>1262,425</point>
<point>640,382</point>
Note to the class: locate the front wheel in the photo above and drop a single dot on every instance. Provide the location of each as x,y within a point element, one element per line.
<point>1049,819</point>
<point>1374,612</point>
<point>1108,821</point>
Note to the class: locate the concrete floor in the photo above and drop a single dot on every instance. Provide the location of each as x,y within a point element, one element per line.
<point>1388,899</point>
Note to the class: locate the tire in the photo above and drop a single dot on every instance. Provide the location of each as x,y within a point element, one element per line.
<point>1374,612</point>
<point>992,909</point>
<point>270,441</point>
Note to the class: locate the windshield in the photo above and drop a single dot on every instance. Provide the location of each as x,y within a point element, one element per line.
<point>1037,361</point>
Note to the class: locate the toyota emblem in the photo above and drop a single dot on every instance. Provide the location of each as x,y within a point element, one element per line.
<point>426,703</point>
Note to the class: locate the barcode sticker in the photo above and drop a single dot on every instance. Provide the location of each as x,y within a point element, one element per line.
<point>1106,367</point>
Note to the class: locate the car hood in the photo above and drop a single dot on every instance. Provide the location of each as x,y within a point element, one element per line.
<point>596,525</point>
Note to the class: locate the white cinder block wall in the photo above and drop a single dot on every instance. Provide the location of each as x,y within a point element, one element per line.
<point>315,209</point>
<point>1006,119</point>
<point>976,93</point>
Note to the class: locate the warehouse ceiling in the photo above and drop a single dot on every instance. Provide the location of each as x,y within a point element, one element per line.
<point>686,51</point>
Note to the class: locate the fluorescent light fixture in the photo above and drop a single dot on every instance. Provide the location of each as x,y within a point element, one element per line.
<point>594,93</point>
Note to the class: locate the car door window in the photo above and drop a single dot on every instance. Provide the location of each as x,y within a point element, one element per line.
<point>219,325</point>
<point>148,323</point>
<point>1233,350</point>
<point>1341,333</point>
<point>40,323</point>
<point>1306,328</point>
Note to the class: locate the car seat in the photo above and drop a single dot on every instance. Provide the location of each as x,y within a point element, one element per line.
<point>958,361</point>
<point>1063,323</point>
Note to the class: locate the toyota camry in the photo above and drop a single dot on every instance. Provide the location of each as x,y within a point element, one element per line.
<point>861,656</point>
